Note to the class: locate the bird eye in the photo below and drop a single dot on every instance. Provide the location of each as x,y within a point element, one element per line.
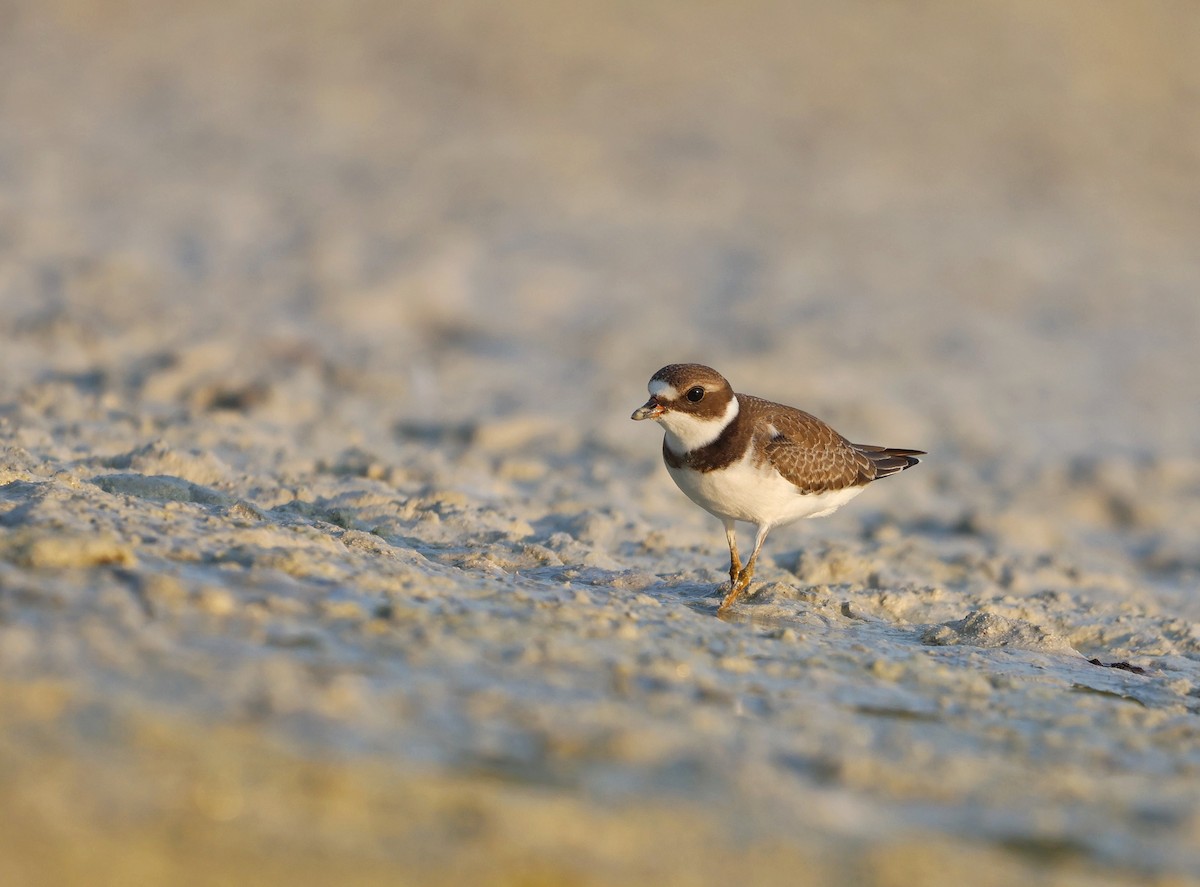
<point>695,395</point>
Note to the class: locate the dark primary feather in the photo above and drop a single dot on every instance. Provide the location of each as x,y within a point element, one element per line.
<point>889,460</point>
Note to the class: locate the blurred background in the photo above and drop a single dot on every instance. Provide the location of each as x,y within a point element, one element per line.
<point>984,215</point>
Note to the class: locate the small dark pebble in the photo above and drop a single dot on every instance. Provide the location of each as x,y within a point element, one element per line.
<point>1124,666</point>
<point>241,399</point>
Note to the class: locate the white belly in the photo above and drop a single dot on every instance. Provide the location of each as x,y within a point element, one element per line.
<point>758,495</point>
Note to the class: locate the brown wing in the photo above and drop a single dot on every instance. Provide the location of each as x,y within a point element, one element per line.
<point>813,456</point>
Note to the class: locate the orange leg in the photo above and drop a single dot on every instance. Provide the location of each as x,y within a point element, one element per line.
<point>742,582</point>
<point>735,563</point>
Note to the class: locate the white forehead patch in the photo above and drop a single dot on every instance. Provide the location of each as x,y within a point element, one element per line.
<point>660,389</point>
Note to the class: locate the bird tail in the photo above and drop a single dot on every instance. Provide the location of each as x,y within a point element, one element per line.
<point>889,460</point>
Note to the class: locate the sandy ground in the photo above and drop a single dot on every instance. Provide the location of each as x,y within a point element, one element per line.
<point>328,552</point>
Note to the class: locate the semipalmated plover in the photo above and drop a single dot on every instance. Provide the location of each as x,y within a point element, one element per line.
<point>742,458</point>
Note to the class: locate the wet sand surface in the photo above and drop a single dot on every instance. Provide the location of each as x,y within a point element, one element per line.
<point>329,554</point>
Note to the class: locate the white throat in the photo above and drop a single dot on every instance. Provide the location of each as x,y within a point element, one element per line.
<point>686,432</point>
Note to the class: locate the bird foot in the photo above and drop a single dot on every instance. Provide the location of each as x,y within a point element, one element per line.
<point>737,586</point>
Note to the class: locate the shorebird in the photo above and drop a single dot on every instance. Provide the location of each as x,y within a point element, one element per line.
<point>742,458</point>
